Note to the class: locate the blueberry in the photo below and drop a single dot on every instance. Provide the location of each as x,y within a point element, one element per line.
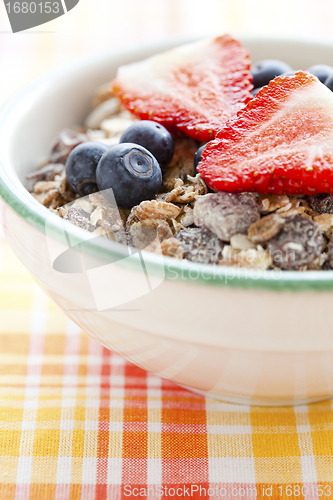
<point>81,167</point>
<point>264,71</point>
<point>197,157</point>
<point>152,136</point>
<point>132,172</point>
<point>321,71</point>
<point>329,82</point>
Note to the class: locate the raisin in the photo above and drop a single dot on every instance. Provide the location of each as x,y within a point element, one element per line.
<point>200,245</point>
<point>66,141</point>
<point>297,244</point>
<point>321,203</point>
<point>226,214</point>
<point>79,217</point>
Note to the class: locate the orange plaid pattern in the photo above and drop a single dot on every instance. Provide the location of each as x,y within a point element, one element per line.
<point>79,422</point>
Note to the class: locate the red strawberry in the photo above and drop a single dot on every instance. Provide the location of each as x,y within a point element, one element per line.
<point>194,88</point>
<point>281,142</point>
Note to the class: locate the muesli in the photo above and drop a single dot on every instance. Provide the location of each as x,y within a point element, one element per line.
<point>203,164</point>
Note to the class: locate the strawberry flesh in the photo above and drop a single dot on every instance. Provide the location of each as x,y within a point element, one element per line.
<point>281,142</point>
<point>194,88</point>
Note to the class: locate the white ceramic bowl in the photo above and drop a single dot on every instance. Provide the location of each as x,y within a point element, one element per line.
<point>263,337</point>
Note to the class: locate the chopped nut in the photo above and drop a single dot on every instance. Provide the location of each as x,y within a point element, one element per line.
<point>252,258</point>
<point>100,231</point>
<point>225,213</point>
<point>187,217</point>
<point>173,188</point>
<point>173,184</point>
<point>241,242</point>
<point>194,187</point>
<point>79,217</point>
<point>265,228</point>
<point>96,216</point>
<point>325,222</point>
<point>306,216</point>
<point>172,248</point>
<point>291,212</point>
<point>84,203</point>
<point>175,225</point>
<point>50,196</point>
<point>155,209</point>
<point>97,199</point>
<point>108,217</point>
<point>292,208</point>
<point>45,186</point>
<point>270,202</point>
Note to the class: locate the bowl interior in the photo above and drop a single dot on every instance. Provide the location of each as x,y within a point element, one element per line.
<point>31,120</point>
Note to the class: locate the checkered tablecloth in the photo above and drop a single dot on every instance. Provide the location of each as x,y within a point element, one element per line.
<point>78,422</point>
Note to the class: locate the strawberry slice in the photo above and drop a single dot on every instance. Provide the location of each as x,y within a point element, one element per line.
<point>194,88</point>
<point>281,142</point>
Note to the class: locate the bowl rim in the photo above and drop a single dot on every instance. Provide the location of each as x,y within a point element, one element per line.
<point>20,200</point>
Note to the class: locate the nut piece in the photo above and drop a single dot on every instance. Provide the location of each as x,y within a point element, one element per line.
<point>114,127</point>
<point>264,229</point>
<point>84,203</point>
<point>292,208</point>
<point>155,209</point>
<point>325,222</point>
<point>173,188</point>
<point>186,218</point>
<point>226,214</point>
<point>271,202</point>
<point>321,203</point>
<point>172,248</point>
<point>79,217</point>
<point>298,243</point>
<point>52,193</point>
<point>241,242</point>
<point>106,215</point>
<point>194,187</point>
<point>252,258</point>
<point>200,245</point>
<point>102,232</point>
